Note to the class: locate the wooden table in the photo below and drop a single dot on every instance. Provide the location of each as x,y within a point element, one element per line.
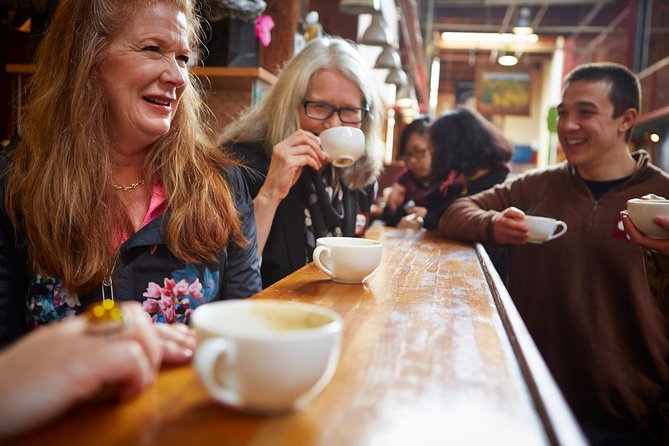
<point>434,353</point>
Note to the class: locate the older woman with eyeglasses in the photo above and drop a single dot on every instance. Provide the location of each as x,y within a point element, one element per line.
<point>326,85</point>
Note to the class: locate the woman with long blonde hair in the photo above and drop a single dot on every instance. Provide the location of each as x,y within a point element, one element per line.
<point>116,188</point>
<point>298,195</point>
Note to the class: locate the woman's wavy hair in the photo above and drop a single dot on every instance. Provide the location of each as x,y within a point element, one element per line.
<point>277,116</point>
<point>60,189</point>
<point>464,141</point>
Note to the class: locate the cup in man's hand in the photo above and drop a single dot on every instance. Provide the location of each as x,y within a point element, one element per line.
<point>642,211</point>
<point>544,229</point>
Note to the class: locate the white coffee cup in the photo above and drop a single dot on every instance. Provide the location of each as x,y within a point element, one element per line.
<point>642,212</point>
<point>343,145</point>
<point>347,259</point>
<point>262,355</point>
<point>542,229</point>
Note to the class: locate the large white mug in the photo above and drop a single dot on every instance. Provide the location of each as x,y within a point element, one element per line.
<point>343,145</point>
<point>347,259</point>
<point>643,211</point>
<point>265,355</point>
<point>542,229</point>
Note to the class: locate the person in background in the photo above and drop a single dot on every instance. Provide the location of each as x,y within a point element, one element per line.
<point>298,195</point>
<point>115,188</point>
<point>57,366</point>
<point>469,155</point>
<point>586,305</point>
<point>408,194</point>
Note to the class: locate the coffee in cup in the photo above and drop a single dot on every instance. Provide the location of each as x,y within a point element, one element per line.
<point>347,259</point>
<point>265,355</point>
<point>542,229</point>
<point>343,145</point>
<point>642,213</point>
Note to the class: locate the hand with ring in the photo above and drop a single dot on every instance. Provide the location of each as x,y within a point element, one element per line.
<point>56,366</point>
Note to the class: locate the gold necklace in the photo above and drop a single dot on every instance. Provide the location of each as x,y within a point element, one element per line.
<point>123,188</point>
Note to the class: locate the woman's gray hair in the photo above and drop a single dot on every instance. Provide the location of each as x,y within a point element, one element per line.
<point>277,115</point>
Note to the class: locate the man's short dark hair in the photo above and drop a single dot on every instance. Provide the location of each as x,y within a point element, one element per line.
<point>625,87</point>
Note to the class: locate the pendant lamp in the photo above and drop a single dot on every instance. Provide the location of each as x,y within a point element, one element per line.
<point>389,58</point>
<point>397,76</point>
<point>378,32</point>
<point>357,7</point>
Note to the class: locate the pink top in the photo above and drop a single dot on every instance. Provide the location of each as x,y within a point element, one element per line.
<point>156,209</point>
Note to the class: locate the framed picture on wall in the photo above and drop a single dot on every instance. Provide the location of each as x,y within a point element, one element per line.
<point>503,92</point>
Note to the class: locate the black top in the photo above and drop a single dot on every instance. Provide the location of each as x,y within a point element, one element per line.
<point>284,250</point>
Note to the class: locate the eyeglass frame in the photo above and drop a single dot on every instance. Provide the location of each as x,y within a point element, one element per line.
<point>417,155</point>
<point>363,111</point>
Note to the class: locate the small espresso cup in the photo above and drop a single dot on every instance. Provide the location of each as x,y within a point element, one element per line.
<point>266,355</point>
<point>642,212</point>
<point>542,229</point>
<point>343,145</point>
<point>347,259</point>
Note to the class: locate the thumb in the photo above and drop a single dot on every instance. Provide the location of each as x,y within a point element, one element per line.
<point>514,213</point>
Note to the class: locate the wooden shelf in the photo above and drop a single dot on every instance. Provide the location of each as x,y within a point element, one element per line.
<point>224,72</point>
<point>227,72</point>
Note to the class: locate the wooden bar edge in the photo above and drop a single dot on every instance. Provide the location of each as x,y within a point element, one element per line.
<point>560,425</point>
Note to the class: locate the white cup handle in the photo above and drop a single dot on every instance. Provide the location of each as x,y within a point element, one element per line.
<point>317,259</point>
<point>560,232</point>
<point>206,357</point>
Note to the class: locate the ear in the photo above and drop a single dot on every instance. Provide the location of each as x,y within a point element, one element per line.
<point>627,120</point>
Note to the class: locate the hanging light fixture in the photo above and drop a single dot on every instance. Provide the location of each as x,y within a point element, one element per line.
<point>507,60</point>
<point>397,76</point>
<point>357,7</point>
<point>389,58</point>
<point>378,32</point>
<point>523,26</point>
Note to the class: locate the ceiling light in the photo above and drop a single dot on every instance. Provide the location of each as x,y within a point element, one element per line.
<point>356,7</point>
<point>389,58</point>
<point>397,76</point>
<point>523,26</point>
<point>507,60</point>
<point>378,32</point>
<point>449,36</point>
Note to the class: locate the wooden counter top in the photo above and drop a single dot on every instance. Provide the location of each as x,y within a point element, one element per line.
<point>433,353</point>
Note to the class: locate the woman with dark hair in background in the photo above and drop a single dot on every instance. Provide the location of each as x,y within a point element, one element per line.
<point>408,194</point>
<point>469,155</point>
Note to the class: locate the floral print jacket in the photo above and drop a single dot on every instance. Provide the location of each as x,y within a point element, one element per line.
<point>146,271</point>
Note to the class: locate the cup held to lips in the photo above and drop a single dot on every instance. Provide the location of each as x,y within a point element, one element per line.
<point>343,145</point>
<point>347,259</point>
<point>543,229</point>
<point>642,212</point>
<point>266,355</point>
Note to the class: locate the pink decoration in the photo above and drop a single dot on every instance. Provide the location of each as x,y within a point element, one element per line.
<point>264,25</point>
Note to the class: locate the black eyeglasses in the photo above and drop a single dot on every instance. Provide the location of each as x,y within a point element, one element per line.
<point>323,110</point>
<point>418,155</point>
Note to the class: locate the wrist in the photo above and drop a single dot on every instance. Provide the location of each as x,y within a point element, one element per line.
<point>269,195</point>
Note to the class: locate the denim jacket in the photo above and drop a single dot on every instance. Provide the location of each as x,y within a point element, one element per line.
<point>145,271</point>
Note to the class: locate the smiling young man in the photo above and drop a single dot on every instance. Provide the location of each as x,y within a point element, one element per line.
<point>584,296</point>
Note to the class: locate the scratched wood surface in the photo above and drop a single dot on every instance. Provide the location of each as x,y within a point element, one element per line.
<point>425,360</point>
